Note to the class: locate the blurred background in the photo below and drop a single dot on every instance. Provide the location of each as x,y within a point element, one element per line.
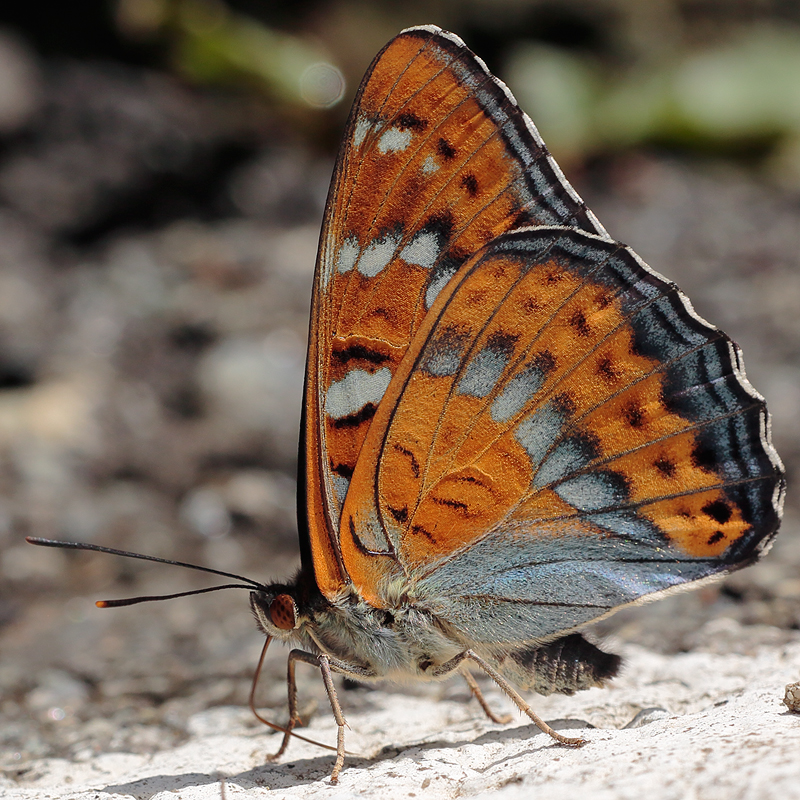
<point>163,170</point>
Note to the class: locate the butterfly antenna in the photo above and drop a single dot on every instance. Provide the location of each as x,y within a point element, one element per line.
<point>266,722</point>
<point>132,601</point>
<point>247,583</point>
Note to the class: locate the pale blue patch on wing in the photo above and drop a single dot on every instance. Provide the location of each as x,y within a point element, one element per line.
<point>516,393</point>
<point>377,254</point>
<point>436,285</point>
<point>592,492</point>
<point>538,432</point>
<point>531,545</point>
<point>370,532</point>
<point>348,255</point>
<point>645,286</point>
<point>429,165</point>
<point>393,140</point>
<point>422,250</point>
<point>442,362</point>
<point>482,373</point>
<point>568,457</point>
<point>355,390</point>
<point>340,487</point>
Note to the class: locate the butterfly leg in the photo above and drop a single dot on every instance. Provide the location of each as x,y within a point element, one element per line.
<point>478,695</point>
<point>291,685</point>
<point>326,666</point>
<point>327,677</point>
<point>511,692</point>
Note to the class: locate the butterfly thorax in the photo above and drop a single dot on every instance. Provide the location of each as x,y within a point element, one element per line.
<point>403,644</point>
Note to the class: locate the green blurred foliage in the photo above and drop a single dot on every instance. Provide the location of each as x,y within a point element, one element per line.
<point>211,44</point>
<point>741,95</point>
<point>659,80</point>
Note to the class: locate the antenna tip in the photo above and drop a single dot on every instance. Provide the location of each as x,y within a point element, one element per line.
<point>101,603</point>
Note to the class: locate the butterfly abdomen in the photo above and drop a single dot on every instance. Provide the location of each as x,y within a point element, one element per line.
<point>565,666</point>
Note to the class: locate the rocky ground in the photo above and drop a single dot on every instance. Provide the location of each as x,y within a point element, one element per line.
<point>156,252</point>
<point>710,723</point>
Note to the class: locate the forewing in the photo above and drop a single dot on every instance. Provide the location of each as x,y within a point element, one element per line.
<point>436,161</point>
<point>566,434</point>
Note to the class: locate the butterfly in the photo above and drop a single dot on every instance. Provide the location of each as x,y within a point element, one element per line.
<point>512,426</point>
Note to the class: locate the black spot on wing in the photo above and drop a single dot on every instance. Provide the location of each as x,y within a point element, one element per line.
<point>634,414</point>
<point>365,413</point>
<point>544,361</point>
<point>400,514</point>
<point>445,150</point>
<point>715,537</point>
<point>418,529</point>
<point>470,479</point>
<point>470,183</point>
<point>345,470</point>
<point>442,224</point>
<point>564,404</point>
<point>665,466</point>
<point>704,456</point>
<point>604,299</point>
<point>719,511</point>
<point>358,352</point>
<point>409,121</point>
<point>443,354</point>
<point>456,505</point>
<point>522,218</point>
<point>532,305</point>
<point>411,457</point>
<point>552,277</point>
<point>502,343</point>
<point>579,323</point>
<point>608,369</point>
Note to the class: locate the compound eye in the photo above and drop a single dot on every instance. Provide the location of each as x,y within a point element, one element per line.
<point>282,612</point>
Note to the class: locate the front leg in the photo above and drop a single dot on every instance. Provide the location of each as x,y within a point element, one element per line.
<point>291,685</point>
<point>327,665</point>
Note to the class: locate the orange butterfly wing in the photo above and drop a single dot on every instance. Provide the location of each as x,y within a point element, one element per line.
<point>564,432</point>
<point>437,160</point>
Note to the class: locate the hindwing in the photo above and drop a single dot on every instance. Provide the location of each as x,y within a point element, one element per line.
<point>564,432</point>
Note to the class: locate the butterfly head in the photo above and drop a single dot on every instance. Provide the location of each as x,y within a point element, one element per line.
<point>275,610</point>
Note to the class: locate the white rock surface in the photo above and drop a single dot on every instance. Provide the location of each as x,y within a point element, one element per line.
<point>697,725</point>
